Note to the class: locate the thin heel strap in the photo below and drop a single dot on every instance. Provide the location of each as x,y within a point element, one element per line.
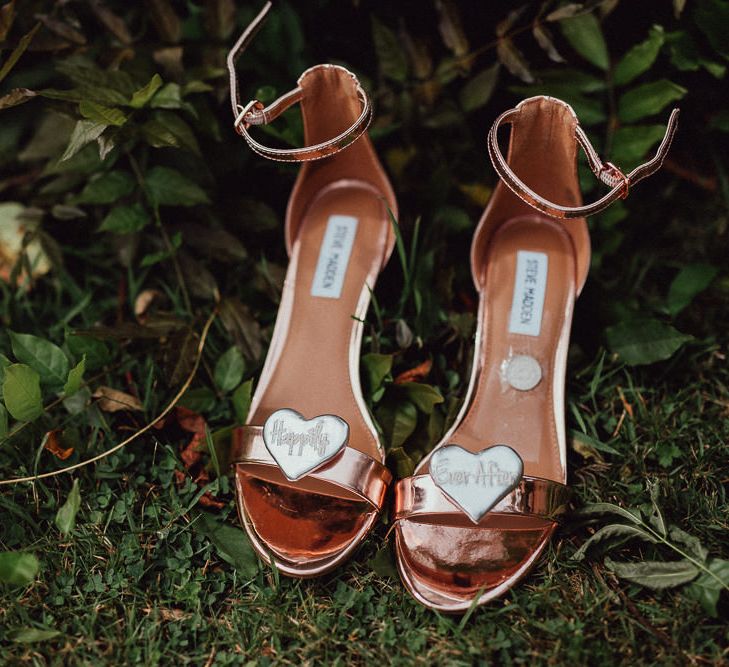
<point>607,172</point>
<point>256,113</point>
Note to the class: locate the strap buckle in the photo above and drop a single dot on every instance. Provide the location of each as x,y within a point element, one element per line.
<point>240,118</point>
<point>255,113</point>
<point>613,176</point>
<point>607,172</point>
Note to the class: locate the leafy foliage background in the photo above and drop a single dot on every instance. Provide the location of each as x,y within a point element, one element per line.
<point>130,211</point>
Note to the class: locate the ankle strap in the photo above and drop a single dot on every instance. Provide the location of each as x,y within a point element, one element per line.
<point>607,172</point>
<point>256,113</point>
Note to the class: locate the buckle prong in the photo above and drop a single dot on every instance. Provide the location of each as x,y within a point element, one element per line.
<point>615,173</point>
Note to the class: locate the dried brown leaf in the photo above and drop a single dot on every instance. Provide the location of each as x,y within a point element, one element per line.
<point>189,420</point>
<point>415,374</point>
<point>215,242</point>
<point>513,59</point>
<point>167,614</point>
<point>506,24</point>
<point>21,254</point>
<point>180,354</point>
<point>53,445</point>
<point>154,329</point>
<point>15,97</point>
<point>242,327</point>
<point>608,7</point>
<point>219,18</point>
<point>113,23</point>
<point>113,400</point>
<point>198,279</point>
<point>62,29</point>
<point>165,19</point>
<point>565,12</point>
<point>143,302</point>
<point>192,455</point>
<point>421,62</point>
<point>170,59</point>
<point>7,16</point>
<point>544,39</point>
<point>451,27</point>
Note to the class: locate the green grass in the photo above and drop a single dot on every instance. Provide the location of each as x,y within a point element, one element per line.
<point>137,582</point>
<point>153,569</point>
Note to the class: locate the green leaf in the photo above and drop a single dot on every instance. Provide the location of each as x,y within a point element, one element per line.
<point>21,392</point>
<point>107,188</point>
<point>690,281</point>
<point>229,369</point>
<point>607,533</point>
<point>32,635</point>
<point>585,36</point>
<point>66,515</point>
<point>383,564</point>
<point>168,129</point>
<point>706,588</point>
<point>712,18</point>
<point>125,219</point>
<point>583,442</point>
<point>390,55</point>
<point>404,464</point>
<point>101,113</point>
<point>3,421</point>
<point>639,58</point>
<point>158,135</point>
<point>18,568</point>
<point>632,142</point>
<point>648,99</point>
<point>83,133</point>
<point>241,399</point>
<point>693,544</point>
<point>199,399</point>
<point>477,92</point>
<point>667,453</point>
<point>42,356</point>
<point>375,367</point>
<point>424,396</point>
<point>656,519</point>
<point>639,342</point>
<point>145,94</point>
<point>655,574</point>
<point>169,96</point>
<point>75,378</point>
<point>608,508</point>
<point>230,542</point>
<point>94,351</point>
<point>398,419</point>
<point>4,363</point>
<point>168,187</point>
<point>156,257</point>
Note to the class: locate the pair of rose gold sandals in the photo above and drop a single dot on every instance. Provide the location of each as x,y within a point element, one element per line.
<point>309,465</point>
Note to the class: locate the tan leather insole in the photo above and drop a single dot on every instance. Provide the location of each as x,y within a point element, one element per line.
<point>498,413</point>
<point>312,373</point>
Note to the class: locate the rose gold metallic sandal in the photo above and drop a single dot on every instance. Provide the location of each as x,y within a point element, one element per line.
<point>309,467</point>
<point>483,505</point>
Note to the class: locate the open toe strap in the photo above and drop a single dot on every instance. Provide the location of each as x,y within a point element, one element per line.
<point>419,497</point>
<point>350,470</point>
